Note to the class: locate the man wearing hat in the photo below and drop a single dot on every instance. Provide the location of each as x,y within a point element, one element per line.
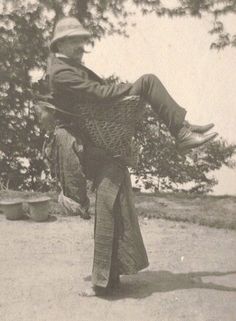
<point>119,247</point>
<point>72,83</point>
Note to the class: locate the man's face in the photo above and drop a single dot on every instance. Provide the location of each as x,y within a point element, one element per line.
<point>73,47</point>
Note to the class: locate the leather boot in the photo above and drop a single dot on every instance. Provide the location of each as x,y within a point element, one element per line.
<point>186,139</point>
<point>197,128</point>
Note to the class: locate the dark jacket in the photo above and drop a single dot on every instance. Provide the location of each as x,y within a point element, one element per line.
<point>72,83</point>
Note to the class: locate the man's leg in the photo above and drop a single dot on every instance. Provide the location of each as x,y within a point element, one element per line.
<point>152,90</point>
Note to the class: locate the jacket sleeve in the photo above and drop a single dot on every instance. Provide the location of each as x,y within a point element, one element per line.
<point>77,82</point>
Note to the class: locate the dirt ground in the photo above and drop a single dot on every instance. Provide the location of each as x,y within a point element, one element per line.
<point>44,266</point>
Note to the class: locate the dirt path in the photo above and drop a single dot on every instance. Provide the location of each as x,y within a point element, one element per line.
<point>44,265</point>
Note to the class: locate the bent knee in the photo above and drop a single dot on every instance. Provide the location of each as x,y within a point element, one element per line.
<point>150,77</point>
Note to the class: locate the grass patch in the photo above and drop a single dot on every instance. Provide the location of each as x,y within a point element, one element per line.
<point>212,211</point>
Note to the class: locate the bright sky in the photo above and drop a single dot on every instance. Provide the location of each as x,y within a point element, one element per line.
<point>177,51</point>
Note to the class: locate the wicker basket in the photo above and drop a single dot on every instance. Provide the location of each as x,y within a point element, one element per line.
<point>111,125</point>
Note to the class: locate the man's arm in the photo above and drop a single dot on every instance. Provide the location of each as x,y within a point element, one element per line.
<point>77,82</point>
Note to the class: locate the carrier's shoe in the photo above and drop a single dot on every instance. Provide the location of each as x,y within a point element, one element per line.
<point>186,139</point>
<point>197,128</point>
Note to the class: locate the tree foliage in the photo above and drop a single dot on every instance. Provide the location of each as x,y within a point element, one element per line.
<point>162,167</point>
<point>25,30</point>
<point>217,9</point>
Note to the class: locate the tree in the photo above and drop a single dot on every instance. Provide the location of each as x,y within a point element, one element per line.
<point>217,9</point>
<point>21,37</point>
<point>162,167</point>
<point>26,27</point>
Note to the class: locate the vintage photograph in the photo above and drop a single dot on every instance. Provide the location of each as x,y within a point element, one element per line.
<point>117,160</point>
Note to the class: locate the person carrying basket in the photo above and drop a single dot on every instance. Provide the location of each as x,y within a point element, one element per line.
<point>119,247</point>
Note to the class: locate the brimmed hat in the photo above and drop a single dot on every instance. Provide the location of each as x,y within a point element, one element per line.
<point>67,27</point>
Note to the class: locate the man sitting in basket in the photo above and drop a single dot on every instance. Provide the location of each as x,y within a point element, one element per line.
<point>119,247</point>
<point>73,83</point>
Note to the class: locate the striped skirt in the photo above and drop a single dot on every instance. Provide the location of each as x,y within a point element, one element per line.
<point>118,241</point>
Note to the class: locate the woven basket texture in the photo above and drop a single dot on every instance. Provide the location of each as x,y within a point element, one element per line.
<point>111,125</point>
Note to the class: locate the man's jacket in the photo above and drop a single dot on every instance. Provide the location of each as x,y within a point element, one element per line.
<point>72,83</point>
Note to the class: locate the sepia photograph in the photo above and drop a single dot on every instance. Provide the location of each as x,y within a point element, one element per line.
<point>117,160</point>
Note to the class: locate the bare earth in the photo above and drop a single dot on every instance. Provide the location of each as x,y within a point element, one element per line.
<point>43,267</point>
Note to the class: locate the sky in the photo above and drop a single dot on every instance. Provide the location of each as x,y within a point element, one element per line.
<point>178,51</point>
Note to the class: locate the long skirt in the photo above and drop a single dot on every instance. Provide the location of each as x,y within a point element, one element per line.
<point>118,243</point>
<point>64,152</point>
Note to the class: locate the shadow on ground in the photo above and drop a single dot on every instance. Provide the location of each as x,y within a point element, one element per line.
<point>148,282</point>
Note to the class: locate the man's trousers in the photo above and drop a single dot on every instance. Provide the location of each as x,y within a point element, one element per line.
<point>150,88</point>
